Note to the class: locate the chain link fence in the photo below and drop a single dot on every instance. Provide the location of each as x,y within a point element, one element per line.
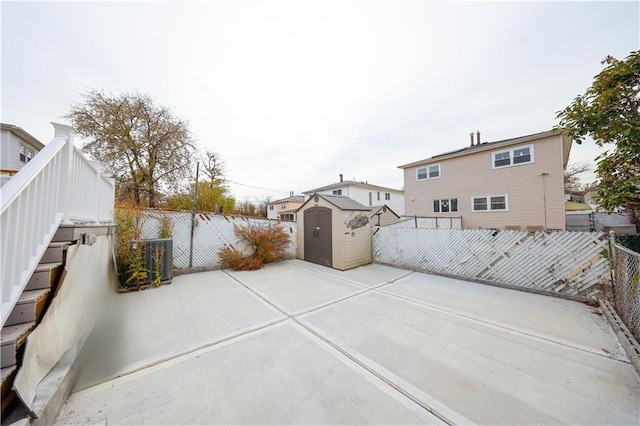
<point>626,281</point>
<point>196,247</point>
<point>626,288</point>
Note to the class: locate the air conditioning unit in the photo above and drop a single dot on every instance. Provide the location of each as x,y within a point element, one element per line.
<point>157,256</point>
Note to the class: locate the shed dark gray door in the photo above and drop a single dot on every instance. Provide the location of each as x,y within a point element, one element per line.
<point>317,235</point>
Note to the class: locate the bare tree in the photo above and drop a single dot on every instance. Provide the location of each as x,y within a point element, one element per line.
<point>213,167</point>
<point>572,178</point>
<point>143,145</point>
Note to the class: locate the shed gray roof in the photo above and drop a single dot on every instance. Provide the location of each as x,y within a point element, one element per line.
<point>341,201</point>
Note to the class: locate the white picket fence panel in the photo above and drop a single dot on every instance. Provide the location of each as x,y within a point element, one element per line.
<point>211,233</point>
<point>428,222</point>
<point>568,263</point>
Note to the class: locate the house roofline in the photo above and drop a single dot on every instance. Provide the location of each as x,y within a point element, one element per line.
<point>488,146</point>
<point>327,198</point>
<point>20,132</point>
<point>295,198</point>
<point>350,183</point>
<point>376,209</point>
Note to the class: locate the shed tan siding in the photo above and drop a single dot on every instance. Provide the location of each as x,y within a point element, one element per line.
<point>472,175</point>
<point>350,247</point>
<point>355,243</point>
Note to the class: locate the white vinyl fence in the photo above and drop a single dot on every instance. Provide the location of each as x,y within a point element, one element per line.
<point>428,222</point>
<point>567,263</point>
<point>210,234</point>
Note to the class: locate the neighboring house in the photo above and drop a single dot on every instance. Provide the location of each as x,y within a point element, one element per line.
<point>510,184</point>
<point>284,209</point>
<point>364,193</point>
<point>17,148</point>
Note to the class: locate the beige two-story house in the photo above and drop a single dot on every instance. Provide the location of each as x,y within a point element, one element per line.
<point>510,184</point>
<point>285,208</point>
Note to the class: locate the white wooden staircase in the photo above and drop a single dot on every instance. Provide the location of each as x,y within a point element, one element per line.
<point>28,310</point>
<point>39,208</point>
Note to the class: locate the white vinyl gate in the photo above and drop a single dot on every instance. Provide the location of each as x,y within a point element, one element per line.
<point>568,263</point>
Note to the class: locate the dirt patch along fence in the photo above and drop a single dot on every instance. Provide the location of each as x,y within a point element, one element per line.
<point>626,286</point>
<point>211,232</point>
<point>563,263</point>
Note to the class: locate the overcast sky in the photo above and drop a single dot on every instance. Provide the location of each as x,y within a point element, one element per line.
<point>293,93</point>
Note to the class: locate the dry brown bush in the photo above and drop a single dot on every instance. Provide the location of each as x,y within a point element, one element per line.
<point>268,242</point>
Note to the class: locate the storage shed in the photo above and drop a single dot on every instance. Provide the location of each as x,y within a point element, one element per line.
<point>334,231</point>
<point>382,215</point>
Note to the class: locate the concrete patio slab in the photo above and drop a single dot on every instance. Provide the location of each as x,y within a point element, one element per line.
<point>295,343</point>
<point>366,276</point>
<point>278,375</point>
<point>489,374</point>
<point>146,327</point>
<point>293,289</point>
<point>551,318</point>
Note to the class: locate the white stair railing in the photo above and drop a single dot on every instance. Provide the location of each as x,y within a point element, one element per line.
<point>58,185</point>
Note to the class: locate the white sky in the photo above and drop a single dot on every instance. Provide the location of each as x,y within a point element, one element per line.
<point>293,93</point>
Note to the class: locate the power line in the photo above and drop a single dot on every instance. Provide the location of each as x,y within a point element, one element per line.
<point>258,187</point>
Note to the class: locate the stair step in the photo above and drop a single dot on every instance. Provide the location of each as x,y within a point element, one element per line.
<point>29,307</point>
<point>64,234</point>
<point>44,276</point>
<point>8,397</point>
<point>12,338</point>
<point>54,252</point>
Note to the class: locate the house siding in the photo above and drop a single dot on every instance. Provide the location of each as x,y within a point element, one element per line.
<point>10,151</point>
<point>277,208</point>
<point>472,175</point>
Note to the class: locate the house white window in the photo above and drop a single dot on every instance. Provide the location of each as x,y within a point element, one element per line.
<point>23,154</point>
<point>445,206</point>
<point>513,157</point>
<point>283,206</point>
<point>337,192</point>
<point>387,196</point>
<point>378,195</point>
<point>429,172</point>
<point>490,203</point>
<point>271,207</point>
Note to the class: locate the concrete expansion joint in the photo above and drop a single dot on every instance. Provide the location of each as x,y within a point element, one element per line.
<point>190,353</point>
<point>294,318</point>
<point>503,326</point>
